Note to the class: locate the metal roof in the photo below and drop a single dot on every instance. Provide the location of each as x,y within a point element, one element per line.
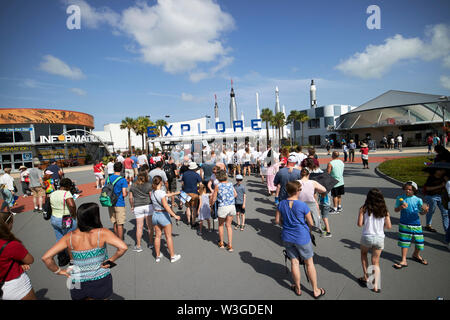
<point>393,98</point>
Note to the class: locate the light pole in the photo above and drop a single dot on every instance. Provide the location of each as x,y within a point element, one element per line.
<point>443,102</point>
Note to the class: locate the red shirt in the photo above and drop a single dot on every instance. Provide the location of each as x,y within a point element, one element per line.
<point>14,251</point>
<point>98,167</point>
<point>128,163</point>
<point>365,150</point>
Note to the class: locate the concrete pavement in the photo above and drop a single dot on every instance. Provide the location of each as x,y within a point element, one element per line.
<point>256,269</point>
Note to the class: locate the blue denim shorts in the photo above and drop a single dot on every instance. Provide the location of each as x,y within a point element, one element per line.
<point>294,251</point>
<point>161,218</point>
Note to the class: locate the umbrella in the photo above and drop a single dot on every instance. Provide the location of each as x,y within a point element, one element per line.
<point>324,179</point>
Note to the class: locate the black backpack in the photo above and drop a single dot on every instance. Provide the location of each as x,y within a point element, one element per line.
<point>169,172</point>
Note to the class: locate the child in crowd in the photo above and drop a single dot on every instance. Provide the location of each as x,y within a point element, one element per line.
<point>373,218</point>
<point>324,206</point>
<point>204,209</point>
<point>410,227</point>
<point>49,185</point>
<point>240,202</point>
<point>345,151</point>
<point>25,181</point>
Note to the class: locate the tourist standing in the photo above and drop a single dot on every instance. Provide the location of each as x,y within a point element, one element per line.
<point>141,206</point>
<point>171,171</point>
<point>15,260</point>
<point>99,174</point>
<point>385,142</point>
<point>336,169</point>
<point>90,274</point>
<point>62,204</point>
<point>246,159</point>
<point>294,217</point>
<point>225,195</point>
<point>324,206</point>
<point>57,173</point>
<point>158,171</point>
<point>25,181</point>
<point>142,159</point>
<point>129,171</point>
<point>36,184</point>
<point>434,187</point>
<point>311,155</point>
<point>351,150</point>
<point>400,143</point>
<point>7,190</point>
<point>161,219</point>
<point>272,169</point>
<point>117,213</point>
<point>410,228</point>
<point>289,173</point>
<point>345,151</point>
<point>110,166</point>
<point>392,143</point>
<point>204,208</point>
<point>373,218</point>
<point>190,181</point>
<point>365,155</point>
<point>240,202</point>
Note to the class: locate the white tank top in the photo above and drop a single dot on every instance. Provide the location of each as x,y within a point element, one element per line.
<point>373,226</point>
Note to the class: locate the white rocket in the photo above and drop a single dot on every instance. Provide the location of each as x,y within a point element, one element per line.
<point>242,116</point>
<point>277,101</point>
<point>216,109</point>
<point>258,115</point>
<point>312,94</point>
<point>233,108</point>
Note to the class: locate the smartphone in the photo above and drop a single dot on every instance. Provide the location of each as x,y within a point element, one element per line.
<point>109,263</point>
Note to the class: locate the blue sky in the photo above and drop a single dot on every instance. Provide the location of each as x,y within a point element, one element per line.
<point>170,57</point>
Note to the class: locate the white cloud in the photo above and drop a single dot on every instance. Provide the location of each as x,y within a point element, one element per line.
<point>175,34</point>
<point>446,62</point>
<point>212,72</point>
<point>78,91</point>
<point>55,66</point>
<point>445,82</point>
<point>377,60</point>
<point>187,97</point>
<point>30,83</point>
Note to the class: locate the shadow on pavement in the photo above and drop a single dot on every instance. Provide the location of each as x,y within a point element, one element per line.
<point>384,254</point>
<point>269,212</point>
<point>40,294</point>
<point>116,297</point>
<point>332,266</point>
<point>267,230</point>
<point>263,200</point>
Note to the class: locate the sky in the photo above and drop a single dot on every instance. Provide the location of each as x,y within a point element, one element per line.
<point>170,57</point>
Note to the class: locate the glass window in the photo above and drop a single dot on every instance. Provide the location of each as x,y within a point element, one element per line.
<point>6,134</point>
<point>56,129</point>
<point>41,130</point>
<point>22,134</point>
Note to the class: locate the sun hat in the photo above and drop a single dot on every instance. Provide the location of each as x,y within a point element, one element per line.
<point>363,145</point>
<point>192,166</point>
<point>22,167</point>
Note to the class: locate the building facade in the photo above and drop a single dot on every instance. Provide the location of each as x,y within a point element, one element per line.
<point>46,134</point>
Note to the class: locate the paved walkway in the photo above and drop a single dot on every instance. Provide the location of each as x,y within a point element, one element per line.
<point>255,270</point>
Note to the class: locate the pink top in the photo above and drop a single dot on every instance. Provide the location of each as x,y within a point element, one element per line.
<point>307,193</point>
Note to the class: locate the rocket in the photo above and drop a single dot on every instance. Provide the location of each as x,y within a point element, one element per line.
<point>277,101</point>
<point>312,94</point>
<point>258,115</point>
<point>233,108</point>
<point>216,109</point>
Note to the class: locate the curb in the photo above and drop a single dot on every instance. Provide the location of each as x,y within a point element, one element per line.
<point>388,178</point>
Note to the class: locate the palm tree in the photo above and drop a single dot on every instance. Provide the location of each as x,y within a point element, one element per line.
<point>141,129</point>
<point>292,117</point>
<point>279,122</point>
<point>302,119</point>
<point>160,123</point>
<point>129,124</point>
<point>266,115</point>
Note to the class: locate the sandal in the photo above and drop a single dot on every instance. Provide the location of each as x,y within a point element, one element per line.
<point>322,293</point>
<point>362,282</point>
<point>400,266</point>
<point>242,228</point>
<point>236,227</point>
<point>221,245</point>
<point>376,291</point>
<point>293,288</point>
<point>420,260</point>
<point>230,248</point>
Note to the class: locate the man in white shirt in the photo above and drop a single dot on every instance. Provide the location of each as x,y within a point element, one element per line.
<point>7,190</point>
<point>400,143</point>
<point>142,159</point>
<point>120,158</point>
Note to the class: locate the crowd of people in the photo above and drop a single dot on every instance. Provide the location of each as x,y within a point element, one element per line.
<point>158,185</point>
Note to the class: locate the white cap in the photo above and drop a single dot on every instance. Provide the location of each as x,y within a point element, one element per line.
<point>292,159</point>
<point>192,166</point>
<point>413,184</point>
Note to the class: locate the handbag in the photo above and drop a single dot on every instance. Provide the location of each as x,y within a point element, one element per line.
<point>67,220</point>
<point>47,209</point>
<point>6,275</point>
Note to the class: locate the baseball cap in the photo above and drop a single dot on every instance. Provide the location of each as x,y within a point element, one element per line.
<point>292,159</point>
<point>239,177</point>
<point>412,183</point>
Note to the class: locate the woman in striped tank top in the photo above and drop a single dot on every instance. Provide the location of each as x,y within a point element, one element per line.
<point>89,272</point>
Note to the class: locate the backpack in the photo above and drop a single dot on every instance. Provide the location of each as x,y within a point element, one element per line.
<point>108,198</point>
<point>169,172</point>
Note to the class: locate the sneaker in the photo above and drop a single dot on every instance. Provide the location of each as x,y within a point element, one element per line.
<point>339,209</point>
<point>332,211</point>
<point>175,258</point>
<point>151,246</point>
<point>36,210</point>
<point>199,232</point>
<point>327,234</point>
<point>158,259</point>
<point>137,249</point>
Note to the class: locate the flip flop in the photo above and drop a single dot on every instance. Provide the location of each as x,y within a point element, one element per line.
<point>420,260</point>
<point>376,291</point>
<point>400,266</point>
<point>293,289</point>
<point>322,293</point>
<point>362,282</point>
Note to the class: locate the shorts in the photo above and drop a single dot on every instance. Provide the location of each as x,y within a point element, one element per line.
<point>239,208</point>
<point>98,175</point>
<point>246,164</point>
<point>173,185</point>
<point>408,233</point>
<point>226,211</point>
<point>117,215</point>
<point>161,218</point>
<point>294,250</point>
<point>18,288</point>
<point>129,173</point>
<point>143,211</point>
<point>100,289</point>
<point>324,210</point>
<point>372,242</point>
<point>37,191</point>
<point>338,191</point>
<point>194,200</point>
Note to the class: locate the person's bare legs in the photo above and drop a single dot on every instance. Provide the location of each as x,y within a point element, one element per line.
<point>376,253</point>
<point>229,221</point>
<point>158,232</point>
<point>296,275</point>
<point>364,260</point>
<point>327,225</point>
<point>30,296</point>
<point>404,253</point>
<point>221,222</point>
<point>169,239</point>
<point>312,274</point>
<point>150,227</point>
<point>118,230</point>
<point>139,229</point>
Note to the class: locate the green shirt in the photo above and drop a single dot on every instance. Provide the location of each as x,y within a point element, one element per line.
<point>337,172</point>
<point>59,208</point>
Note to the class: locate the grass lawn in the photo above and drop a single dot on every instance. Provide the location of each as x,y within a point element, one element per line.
<point>406,169</point>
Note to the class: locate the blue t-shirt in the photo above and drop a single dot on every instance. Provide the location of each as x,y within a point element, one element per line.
<point>190,180</point>
<point>282,178</point>
<point>295,228</point>
<point>240,190</point>
<point>410,215</point>
<point>120,184</point>
<point>55,169</point>
<point>135,159</point>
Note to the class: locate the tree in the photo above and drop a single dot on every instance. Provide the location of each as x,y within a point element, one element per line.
<point>129,124</point>
<point>141,129</point>
<point>266,115</point>
<point>279,122</point>
<point>302,119</point>
<point>160,123</point>
<point>292,117</point>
